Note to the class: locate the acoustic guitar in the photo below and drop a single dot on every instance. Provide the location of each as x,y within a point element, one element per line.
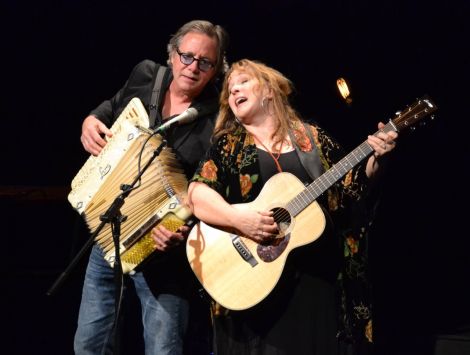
<point>238,272</point>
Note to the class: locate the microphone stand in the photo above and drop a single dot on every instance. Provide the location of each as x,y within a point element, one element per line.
<point>115,218</point>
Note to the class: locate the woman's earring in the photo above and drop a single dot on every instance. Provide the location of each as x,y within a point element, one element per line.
<point>265,106</point>
<point>262,102</point>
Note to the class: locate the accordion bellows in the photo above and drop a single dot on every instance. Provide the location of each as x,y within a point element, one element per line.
<point>157,199</point>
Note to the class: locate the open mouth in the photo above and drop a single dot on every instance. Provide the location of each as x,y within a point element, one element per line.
<point>240,100</point>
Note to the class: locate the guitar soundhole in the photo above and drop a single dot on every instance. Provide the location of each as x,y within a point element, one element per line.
<point>271,251</point>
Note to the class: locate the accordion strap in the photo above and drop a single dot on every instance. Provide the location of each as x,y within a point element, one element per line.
<point>156,95</point>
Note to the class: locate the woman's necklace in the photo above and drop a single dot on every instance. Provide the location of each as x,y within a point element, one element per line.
<point>275,158</point>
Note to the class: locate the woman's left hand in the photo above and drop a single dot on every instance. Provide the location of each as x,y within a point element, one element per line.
<point>382,143</point>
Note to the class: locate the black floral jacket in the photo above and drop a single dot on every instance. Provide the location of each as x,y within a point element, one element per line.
<point>231,168</point>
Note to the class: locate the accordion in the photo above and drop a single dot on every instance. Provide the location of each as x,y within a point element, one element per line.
<point>156,199</point>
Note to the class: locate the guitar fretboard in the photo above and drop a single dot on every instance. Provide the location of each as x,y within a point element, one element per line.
<point>327,179</point>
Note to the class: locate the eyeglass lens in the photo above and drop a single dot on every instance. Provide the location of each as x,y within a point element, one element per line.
<point>202,64</point>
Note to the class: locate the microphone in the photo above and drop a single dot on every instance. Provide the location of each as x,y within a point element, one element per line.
<point>187,116</point>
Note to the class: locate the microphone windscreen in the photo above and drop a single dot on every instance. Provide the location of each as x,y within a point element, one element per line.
<point>189,116</point>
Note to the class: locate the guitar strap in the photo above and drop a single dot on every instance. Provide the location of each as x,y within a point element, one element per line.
<point>309,160</point>
<point>156,95</point>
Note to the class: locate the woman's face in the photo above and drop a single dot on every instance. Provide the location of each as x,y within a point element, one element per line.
<point>244,99</point>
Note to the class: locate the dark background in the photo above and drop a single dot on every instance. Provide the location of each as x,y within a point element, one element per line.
<point>62,58</point>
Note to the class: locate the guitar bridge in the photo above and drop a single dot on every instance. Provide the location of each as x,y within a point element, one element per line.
<point>243,250</point>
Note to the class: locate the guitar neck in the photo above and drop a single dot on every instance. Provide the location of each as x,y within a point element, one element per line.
<point>330,177</point>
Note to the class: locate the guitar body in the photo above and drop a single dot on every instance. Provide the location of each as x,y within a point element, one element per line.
<point>235,282</point>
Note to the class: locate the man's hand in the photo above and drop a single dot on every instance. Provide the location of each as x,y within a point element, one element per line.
<point>92,135</point>
<point>165,239</point>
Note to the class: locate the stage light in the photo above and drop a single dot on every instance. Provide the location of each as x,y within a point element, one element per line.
<point>344,90</point>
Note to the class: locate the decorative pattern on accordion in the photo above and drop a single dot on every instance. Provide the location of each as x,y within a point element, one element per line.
<point>97,169</point>
<point>156,200</point>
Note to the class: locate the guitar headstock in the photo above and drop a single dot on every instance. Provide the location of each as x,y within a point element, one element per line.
<point>422,108</point>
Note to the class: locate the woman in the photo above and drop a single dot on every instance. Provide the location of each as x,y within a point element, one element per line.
<point>257,135</point>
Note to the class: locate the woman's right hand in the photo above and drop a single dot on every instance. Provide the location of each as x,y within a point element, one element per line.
<point>259,226</point>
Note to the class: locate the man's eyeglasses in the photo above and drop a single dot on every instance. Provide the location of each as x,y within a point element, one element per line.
<point>202,64</point>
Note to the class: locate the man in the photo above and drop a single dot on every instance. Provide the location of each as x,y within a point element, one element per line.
<point>196,57</point>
